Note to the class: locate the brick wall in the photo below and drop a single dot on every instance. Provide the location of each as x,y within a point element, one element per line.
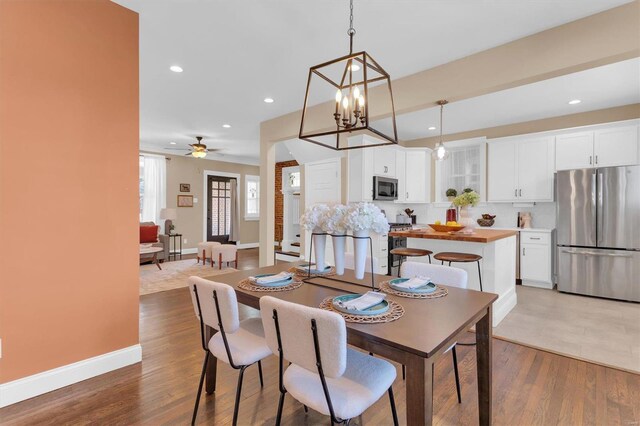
<point>280,198</point>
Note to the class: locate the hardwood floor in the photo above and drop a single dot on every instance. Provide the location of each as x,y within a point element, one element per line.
<point>530,386</point>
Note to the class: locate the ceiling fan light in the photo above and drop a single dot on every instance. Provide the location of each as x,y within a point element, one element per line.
<point>199,154</point>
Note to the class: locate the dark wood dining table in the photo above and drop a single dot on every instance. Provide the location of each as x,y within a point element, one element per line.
<point>425,331</point>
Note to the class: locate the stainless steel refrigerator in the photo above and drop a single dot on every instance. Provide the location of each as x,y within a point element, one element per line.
<point>598,232</point>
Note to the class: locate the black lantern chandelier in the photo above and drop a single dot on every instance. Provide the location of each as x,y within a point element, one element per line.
<point>361,86</point>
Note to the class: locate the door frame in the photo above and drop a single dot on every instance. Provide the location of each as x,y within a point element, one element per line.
<point>205,195</point>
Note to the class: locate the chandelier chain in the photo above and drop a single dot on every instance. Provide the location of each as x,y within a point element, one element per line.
<point>351,30</point>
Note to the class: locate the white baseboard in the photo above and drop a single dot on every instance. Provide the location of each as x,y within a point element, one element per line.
<point>504,305</point>
<point>47,381</point>
<point>242,246</point>
<point>193,250</point>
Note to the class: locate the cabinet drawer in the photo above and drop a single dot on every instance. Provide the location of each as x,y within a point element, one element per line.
<point>534,238</point>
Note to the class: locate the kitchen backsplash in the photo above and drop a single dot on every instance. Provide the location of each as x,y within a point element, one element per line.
<point>543,214</point>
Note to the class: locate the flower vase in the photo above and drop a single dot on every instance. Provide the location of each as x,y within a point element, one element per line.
<point>466,219</point>
<point>360,249</point>
<point>338,252</point>
<point>319,247</point>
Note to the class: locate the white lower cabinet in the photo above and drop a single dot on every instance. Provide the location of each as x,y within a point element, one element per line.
<point>536,259</point>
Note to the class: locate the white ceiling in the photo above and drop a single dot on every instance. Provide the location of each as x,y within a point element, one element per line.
<point>603,87</point>
<point>235,53</point>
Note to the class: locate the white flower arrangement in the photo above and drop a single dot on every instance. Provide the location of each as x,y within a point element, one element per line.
<point>366,216</point>
<point>313,216</point>
<point>334,220</point>
<point>337,219</point>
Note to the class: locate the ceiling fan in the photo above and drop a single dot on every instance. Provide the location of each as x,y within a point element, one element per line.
<point>198,150</point>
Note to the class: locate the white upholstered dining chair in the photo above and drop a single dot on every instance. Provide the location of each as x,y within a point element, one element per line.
<point>324,374</point>
<point>238,343</point>
<point>446,275</point>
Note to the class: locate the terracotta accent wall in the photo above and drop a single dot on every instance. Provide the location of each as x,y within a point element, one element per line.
<point>280,198</point>
<point>68,182</point>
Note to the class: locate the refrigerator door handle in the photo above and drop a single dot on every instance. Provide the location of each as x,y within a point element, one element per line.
<point>594,209</point>
<point>594,253</point>
<point>600,209</point>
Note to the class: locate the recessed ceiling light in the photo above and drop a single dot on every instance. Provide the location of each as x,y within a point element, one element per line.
<point>268,100</point>
<point>226,126</point>
<point>172,143</point>
<point>175,68</point>
<point>432,128</point>
<point>575,102</point>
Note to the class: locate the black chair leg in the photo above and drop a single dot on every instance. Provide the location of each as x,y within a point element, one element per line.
<point>479,275</point>
<point>455,372</point>
<point>280,405</point>
<point>404,372</point>
<point>204,370</point>
<point>429,256</point>
<point>393,406</point>
<point>449,263</point>
<point>260,372</point>
<point>238,393</point>
<point>399,266</point>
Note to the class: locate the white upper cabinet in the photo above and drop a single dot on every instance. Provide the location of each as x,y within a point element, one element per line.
<point>574,151</point>
<point>616,147</point>
<point>521,169</point>
<point>411,167</point>
<point>384,162</point>
<point>535,169</point>
<point>360,175</point>
<point>604,147</point>
<point>416,176</point>
<point>502,171</point>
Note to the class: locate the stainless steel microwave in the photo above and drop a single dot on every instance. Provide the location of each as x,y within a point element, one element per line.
<point>385,189</point>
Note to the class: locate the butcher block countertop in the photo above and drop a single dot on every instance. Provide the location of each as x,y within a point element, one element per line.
<point>478,236</point>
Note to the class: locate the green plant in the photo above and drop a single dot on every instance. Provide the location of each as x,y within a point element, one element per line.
<point>451,192</point>
<point>467,199</point>
<point>467,190</point>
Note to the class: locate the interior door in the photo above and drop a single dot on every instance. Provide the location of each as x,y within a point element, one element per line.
<point>321,185</point>
<point>218,208</point>
<point>619,207</point>
<point>576,215</point>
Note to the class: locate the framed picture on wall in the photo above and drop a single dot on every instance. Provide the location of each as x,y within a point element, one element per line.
<point>185,200</point>
<point>185,187</point>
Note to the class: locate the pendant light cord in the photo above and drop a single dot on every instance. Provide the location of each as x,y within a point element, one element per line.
<point>351,31</point>
<point>441,112</point>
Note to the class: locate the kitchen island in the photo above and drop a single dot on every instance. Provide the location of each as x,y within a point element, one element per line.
<point>498,264</point>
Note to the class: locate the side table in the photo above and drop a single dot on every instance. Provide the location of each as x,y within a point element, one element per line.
<point>172,241</point>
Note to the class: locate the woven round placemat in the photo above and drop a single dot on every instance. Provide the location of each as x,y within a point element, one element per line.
<point>395,311</point>
<point>438,292</point>
<point>304,274</point>
<point>246,284</point>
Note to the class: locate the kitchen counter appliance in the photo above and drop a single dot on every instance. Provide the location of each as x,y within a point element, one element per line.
<point>396,242</point>
<point>598,232</point>
<point>385,189</point>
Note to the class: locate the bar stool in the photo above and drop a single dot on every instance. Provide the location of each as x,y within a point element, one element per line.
<point>410,252</point>
<point>460,258</point>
